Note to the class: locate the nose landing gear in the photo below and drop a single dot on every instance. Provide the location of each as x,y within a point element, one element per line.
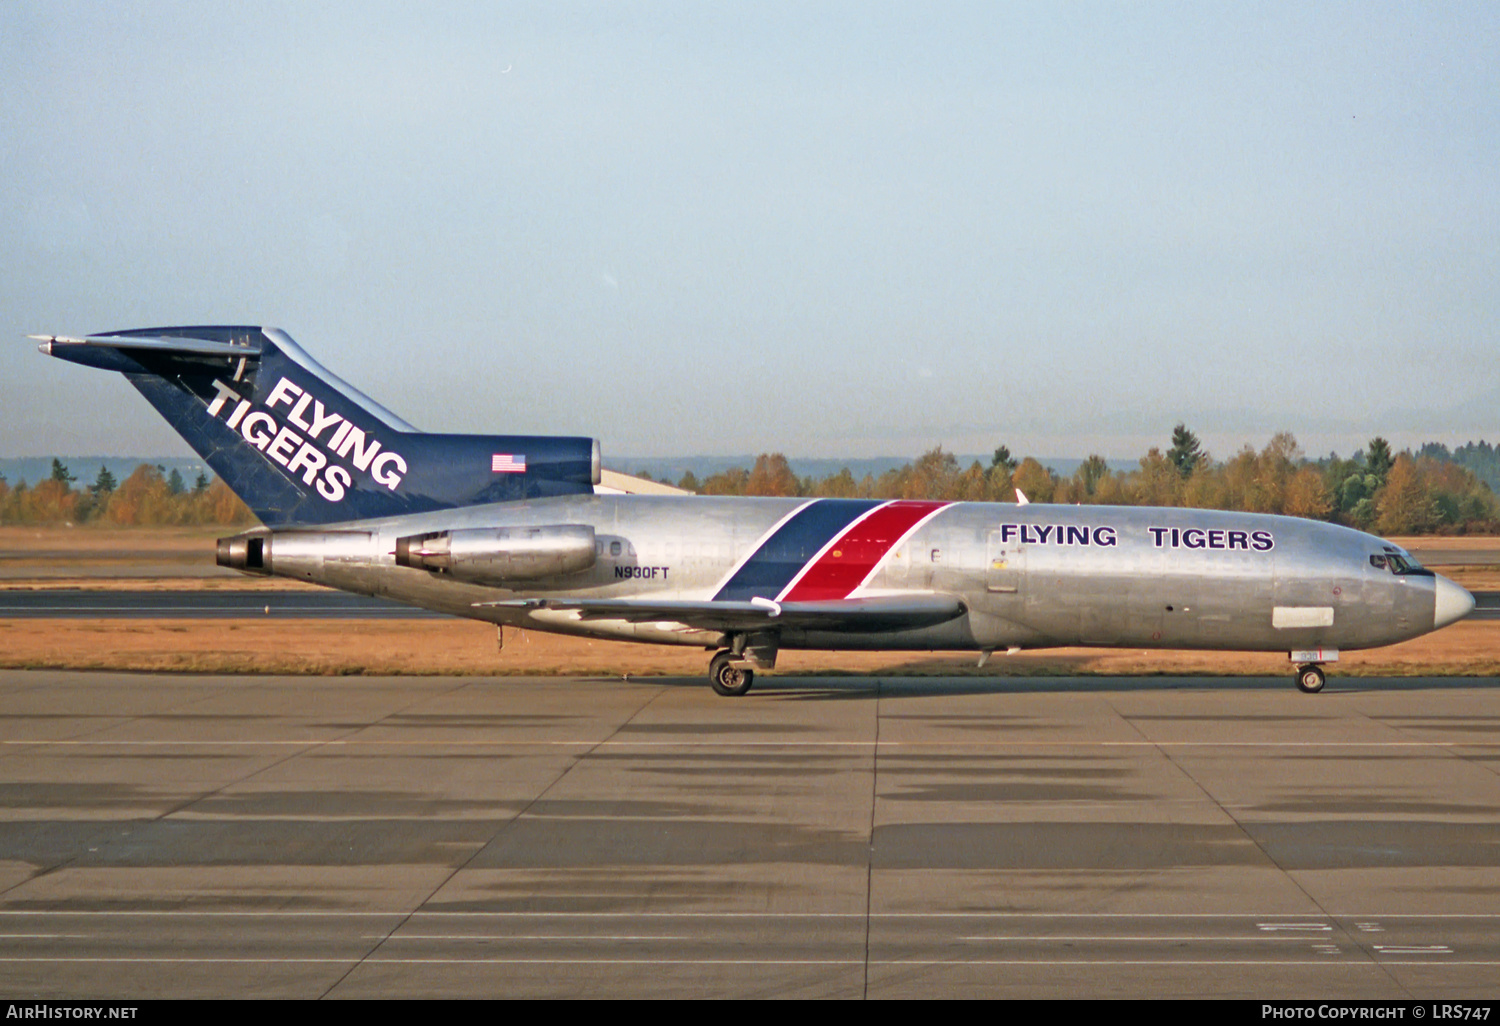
<point>1309,662</point>
<point>1310,679</point>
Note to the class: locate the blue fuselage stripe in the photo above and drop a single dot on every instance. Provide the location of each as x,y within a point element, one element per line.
<point>776,562</point>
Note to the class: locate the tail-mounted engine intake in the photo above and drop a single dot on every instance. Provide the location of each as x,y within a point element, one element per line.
<point>498,555</point>
<point>248,552</point>
<point>295,553</point>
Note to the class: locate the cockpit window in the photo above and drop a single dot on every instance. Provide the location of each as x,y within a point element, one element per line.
<point>1399,564</point>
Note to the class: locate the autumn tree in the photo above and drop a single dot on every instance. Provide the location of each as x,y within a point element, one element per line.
<point>1307,495</point>
<point>1274,468</point>
<point>933,475</point>
<point>141,500</point>
<point>972,484</point>
<point>1034,480</point>
<point>1158,482</point>
<point>1240,487</point>
<point>726,482</point>
<point>50,502</point>
<point>219,505</point>
<point>771,475</point>
<point>836,486</point>
<point>1403,505</point>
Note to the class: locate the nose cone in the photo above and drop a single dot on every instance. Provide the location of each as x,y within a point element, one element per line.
<point>1453,603</point>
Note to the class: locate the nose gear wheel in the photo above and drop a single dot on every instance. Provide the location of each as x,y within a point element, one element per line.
<point>1310,679</point>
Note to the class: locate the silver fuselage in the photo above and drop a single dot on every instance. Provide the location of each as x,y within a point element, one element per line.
<point>1031,576</point>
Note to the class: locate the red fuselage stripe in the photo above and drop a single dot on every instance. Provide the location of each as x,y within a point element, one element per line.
<point>846,563</point>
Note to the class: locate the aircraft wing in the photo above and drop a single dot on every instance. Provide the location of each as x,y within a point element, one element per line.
<point>882,613</point>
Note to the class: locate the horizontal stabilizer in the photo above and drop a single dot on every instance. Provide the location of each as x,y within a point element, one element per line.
<point>163,344</point>
<point>896,612</point>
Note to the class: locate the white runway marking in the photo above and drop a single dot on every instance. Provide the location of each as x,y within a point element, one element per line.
<point>523,937</point>
<point>725,745</point>
<point>505,914</point>
<point>444,961</point>
<point>1141,939</point>
<point>1161,961</point>
<point>1175,962</point>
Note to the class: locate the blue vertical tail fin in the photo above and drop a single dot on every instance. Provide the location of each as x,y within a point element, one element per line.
<point>301,446</point>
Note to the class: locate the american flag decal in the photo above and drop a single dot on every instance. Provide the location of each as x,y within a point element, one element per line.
<point>507,463</point>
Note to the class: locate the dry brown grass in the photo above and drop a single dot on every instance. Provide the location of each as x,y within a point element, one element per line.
<point>108,541</point>
<point>231,581</point>
<point>1446,543</point>
<point>1475,578</point>
<point>465,647</point>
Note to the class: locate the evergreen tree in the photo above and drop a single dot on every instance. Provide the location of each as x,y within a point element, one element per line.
<point>60,472</point>
<point>1186,452</point>
<point>104,483</point>
<point>1004,460</point>
<point>1379,460</point>
<point>200,483</point>
<point>174,483</point>
<point>1483,459</point>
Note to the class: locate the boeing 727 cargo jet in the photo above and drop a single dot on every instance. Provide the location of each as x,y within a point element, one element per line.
<point>510,529</point>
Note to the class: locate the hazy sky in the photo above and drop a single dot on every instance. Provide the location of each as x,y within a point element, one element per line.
<point>827,229</point>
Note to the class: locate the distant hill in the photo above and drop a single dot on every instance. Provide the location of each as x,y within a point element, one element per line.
<point>671,468</point>
<point>32,469</point>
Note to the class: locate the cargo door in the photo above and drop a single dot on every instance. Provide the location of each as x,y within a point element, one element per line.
<point>1005,567</point>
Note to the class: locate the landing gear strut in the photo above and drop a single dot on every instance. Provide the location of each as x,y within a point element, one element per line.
<point>726,678</point>
<point>1310,679</point>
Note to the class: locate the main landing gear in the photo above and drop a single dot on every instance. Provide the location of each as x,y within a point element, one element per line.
<point>728,679</point>
<point>1310,678</point>
<point>732,671</point>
